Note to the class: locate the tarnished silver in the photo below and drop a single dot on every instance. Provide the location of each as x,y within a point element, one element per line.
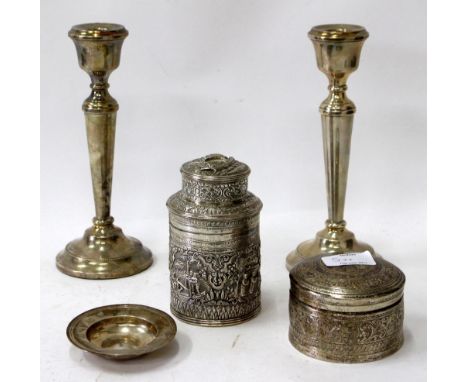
<point>337,50</point>
<point>122,332</point>
<point>347,313</point>
<point>104,251</point>
<point>214,244</point>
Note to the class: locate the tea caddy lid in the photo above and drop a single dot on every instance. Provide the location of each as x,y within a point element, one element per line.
<point>349,288</point>
<point>215,168</point>
<point>214,179</point>
<point>214,186</point>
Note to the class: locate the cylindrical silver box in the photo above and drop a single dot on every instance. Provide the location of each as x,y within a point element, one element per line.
<point>351,313</point>
<point>214,257</point>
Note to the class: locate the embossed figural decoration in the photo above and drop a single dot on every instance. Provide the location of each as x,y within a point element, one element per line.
<point>214,244</point>
<point>104,252</point>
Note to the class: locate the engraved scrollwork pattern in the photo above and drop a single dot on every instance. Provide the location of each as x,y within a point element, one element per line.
<point>250,222</point>
<point>250,205</point>
<point>313,274</point>
<point>216,193</point>
<point>345,337</point>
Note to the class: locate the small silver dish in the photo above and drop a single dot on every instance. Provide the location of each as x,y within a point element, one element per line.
<point>122,331</point>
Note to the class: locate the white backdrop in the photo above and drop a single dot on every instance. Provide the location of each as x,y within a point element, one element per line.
<point>240,78</point>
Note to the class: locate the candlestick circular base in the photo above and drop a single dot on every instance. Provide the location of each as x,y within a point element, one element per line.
<point>327,242</point>
<point>104,253</point>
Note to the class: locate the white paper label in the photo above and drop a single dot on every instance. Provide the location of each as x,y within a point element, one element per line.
<point>350,258</point>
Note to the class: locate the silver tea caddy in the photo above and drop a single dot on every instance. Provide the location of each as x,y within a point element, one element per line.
<point>214,248</point>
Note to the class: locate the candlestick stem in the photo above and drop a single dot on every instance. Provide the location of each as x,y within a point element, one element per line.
<point>103,252</point>
<point>338,48</point>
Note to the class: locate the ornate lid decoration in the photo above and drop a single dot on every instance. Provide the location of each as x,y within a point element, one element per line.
<point>216,168</point>
<point>248,206</point>
<point>215,179</point>
<point>350,288</point>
